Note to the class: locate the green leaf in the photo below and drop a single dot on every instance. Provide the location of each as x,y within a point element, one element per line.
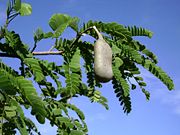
<point>75,62</point>
<point>138,78</point>
<point>115,49</point>
<point>10,114</point>
<point>5,83</point>
<point>118,76</point>
<point>96,96</point>
<point>125,101</point>
<point>21,125</point>
<point>14,46</point>
<point>116,71</point>
<point>66,121</point>
<point>147,94</point>
<point>135,72</point>
<point>125,86</point>
<point>2,97</point>
<point>72,73</point>
<point>40,118</point>
<point>139,31</point>
<point>19,110</point>
<point>23,86</point>
<point>131,53</point>
<point>74,23</point>
<point>17,5</point>
<point>142,48</point>
<point>31,95</point>
<point>72,83</point>
<point>133,86</point>
<point>59,22</point>
<point>31,125</point>
<point>10,108</point>
<point>78,111</point>
<point>150,55</point>
<point>75,132</point>
<point>38,35</point>
<point>142,83</point>
<point>48,35</point>
<point>86,51</point>
<point>25,10</point>
<point>56,112</point>
<point>113,29</point>
<point>7,78</point>
<point>159,73</point>
<point>36,68</point>
<point>118,62</point>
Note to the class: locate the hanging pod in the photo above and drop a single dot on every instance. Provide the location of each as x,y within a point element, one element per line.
<point>102,59</point>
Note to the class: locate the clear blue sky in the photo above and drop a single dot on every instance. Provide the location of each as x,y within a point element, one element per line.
<point>160,115</point>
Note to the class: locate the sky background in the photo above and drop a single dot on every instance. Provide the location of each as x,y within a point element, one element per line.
<point>160,115</point>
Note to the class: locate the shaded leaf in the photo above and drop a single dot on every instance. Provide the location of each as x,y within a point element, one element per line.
<point>125,101</point>
<point>10,114</point>
<point>133,86</point>
<point>142,83</point>
<point>21,125</point>
<point>147,94</point>
<point>40,118</point>
<point>17,5</point>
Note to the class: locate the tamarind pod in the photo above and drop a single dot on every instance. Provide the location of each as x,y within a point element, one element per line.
<point>102,61</point>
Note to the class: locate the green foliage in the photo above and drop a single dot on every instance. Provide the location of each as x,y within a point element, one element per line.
<point>86,50</point>
<point>113,29</point>
<point>15,8</point>
<point>22,8</point>
<point>60,82</point>
<point>135,31</point>
<point>72,74</point>
<point>124,99</point>
<point>58,114</point>
<point>159,73</point>
<point>121,86</point>
<point>17,5</point>
<point>59,22</point>
<point>34,66</point>
<point>25,9</point>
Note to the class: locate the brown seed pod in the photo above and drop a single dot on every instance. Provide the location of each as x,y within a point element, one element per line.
<point>102,59</point>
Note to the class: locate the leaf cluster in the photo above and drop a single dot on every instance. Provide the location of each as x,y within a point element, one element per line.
<point>59,83</point>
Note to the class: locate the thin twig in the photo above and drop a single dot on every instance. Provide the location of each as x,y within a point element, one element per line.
<point>34,53</point>
<point>35,45</point>
<point>48,53</point>
<point>51,48</point>
<point>12,17</point>
<point>78,36</point>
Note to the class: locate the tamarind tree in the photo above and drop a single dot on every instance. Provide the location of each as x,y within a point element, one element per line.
<point>17,87</point>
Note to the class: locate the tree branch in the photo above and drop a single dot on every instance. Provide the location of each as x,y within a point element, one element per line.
<point>34,53</point>
<point>78,36</point>
<point>48,53</point>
